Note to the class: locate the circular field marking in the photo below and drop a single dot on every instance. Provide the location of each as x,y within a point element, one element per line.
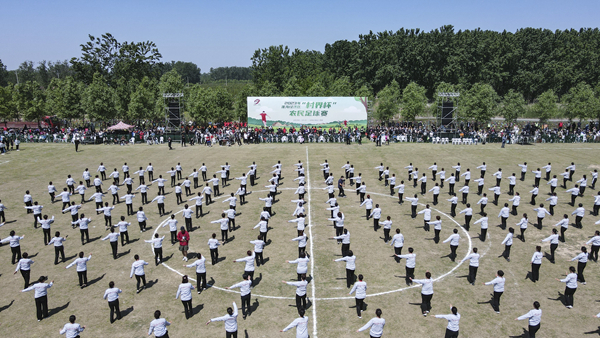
<point>437,279</point>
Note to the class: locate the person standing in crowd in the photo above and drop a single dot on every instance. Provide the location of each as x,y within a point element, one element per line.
<point>426,292</point>
<point>185,291</point>
<point>453,239</point>
<point>484,226</point>
<point>536,263</point>
<point>159,325</point>
<point>213,245</point>
<point>300,292</point>
<point>259,246</point>
<point>541,213</point>
<point>24,265</point>
<point>498,284</point>
<point>157,248</point>
<point>15,246</point>
<point>41,296</point>
<point>579,213</point>
<point>564,226</point>
<point>72,329</point>
<point>534,317</point>
<point>473,265</point>
<point>375,325</point>
<point>137,268</point>
<point>350,260</point>
<point>58,246</point>
<point>516,200</point>
<point>112,296</point>
<point>230,319</point>
<point>81,263</point>
<point>571,286</point>
<point>468,216</point>
<point>113,237</point>
<point>160,202</point>
<point>595,241</point>
<point>523,226</point>
<point>581,259</point>
<point>224,221</point>
<point>245,293</point>
<point>301,325</point>
<point>453,319</point>
<point>453,203</point>
<point>302,267</point>
<point>183,237</point>
<point>508,241</point>
<point>553,239</point>
<point>360,288</point>
<point>249,264</point>
<point>200,265</point>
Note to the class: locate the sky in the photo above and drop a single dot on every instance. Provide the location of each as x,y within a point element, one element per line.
<point>227,32</point>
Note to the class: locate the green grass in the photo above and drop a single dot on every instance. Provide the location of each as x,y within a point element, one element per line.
<point>37,164</point>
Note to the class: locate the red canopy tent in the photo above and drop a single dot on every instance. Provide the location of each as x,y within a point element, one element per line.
<point>120,126</point>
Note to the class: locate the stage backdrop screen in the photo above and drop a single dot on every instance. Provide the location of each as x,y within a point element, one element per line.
<point>325,112</point>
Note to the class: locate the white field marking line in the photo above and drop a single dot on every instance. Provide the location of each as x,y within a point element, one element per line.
<point>216,287</point>
<point>415,285</point>
<point>4,162</point>
<point>312,256</point>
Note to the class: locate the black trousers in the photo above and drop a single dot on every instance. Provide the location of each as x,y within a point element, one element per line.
<point>496,301</point>
<point>246,304</point>
<point>482,207</point>
<point>82,277</point>
<point>114,309</point>
<point>158,255</point>
<point>26,274</point>
<point>468,221</point>
<point>400,197</point>
<point>161,209</point>
<point>140,279</point>
<point>228,334</point>
<point>16,254</point>
<point>413,209</point>
<point>224,236</point>
<point>523,234</point>
<point>345,249</point>
<point>187,308</point>
<point>594,253</point>
<point>503,224</point>
<point>472,274</point>
<point>426,302</point>
<point>386,235</point>
<point>142,225</point>
<point>259,257</point>
<point>569,292</point>
<point>84,232</point>
<point>301,302</point>
<point>435,199</point>
<point>179,199</point>
<point>511,189</point>
<point>580,268</point>
<point>453,252</point>
<point>188,224</point>
<point>198,211</point>
<point>535,272</point>
<point>359,305</point>
<point>161,189</point>
<point>451,334</point>
<point>59,250</point>
<point>41,305</point>
<point>506,253</point>
<point>214,256</point>
<point>200,280</point>
<point>129,209</point>
<point>349,278</point>
<point>552,250</point>
<point>124,237</point>
<point>533,330</point>
<point>107,221</point>
<point>453,210</point>
<point>113,246</point>
<point>436,237</point>
<point>483,235</point>
<point>451,188</point>
<point>410,273</point>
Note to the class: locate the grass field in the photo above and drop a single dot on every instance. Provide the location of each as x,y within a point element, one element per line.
<point>330,313</point>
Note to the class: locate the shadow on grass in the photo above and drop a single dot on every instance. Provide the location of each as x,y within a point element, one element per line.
<point>56,310</point>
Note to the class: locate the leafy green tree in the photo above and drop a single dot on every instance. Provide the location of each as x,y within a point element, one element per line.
<point>581,102</point>
<point>189,71</point>
<point>513,106</point>
<point>317,89</point>
<point>481,102</point>
<point>143,102</point>
<point>99,100</point>
<point>240,105</point>
<point>364,91</point>
<point>7,105</point>
<point>268,89</point>
<point>292,87</point>
<point>414,101</point>
<point>545,106</point>
<point>30,100</point>
<point>64,98</point>
<point>341,87</point>
<point>113,60</point>
<point>210,104</point>
<point>3,75</point>
<point>388,102</point>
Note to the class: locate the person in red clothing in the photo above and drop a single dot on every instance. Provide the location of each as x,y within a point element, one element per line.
<point>183,237</point>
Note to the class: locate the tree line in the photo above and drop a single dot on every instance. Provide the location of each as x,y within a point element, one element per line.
<point>532,72</point>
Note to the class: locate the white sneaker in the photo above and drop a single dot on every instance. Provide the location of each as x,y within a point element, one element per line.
<point>183,259</point>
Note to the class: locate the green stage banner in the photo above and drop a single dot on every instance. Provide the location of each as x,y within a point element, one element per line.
<point>325,112</point>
